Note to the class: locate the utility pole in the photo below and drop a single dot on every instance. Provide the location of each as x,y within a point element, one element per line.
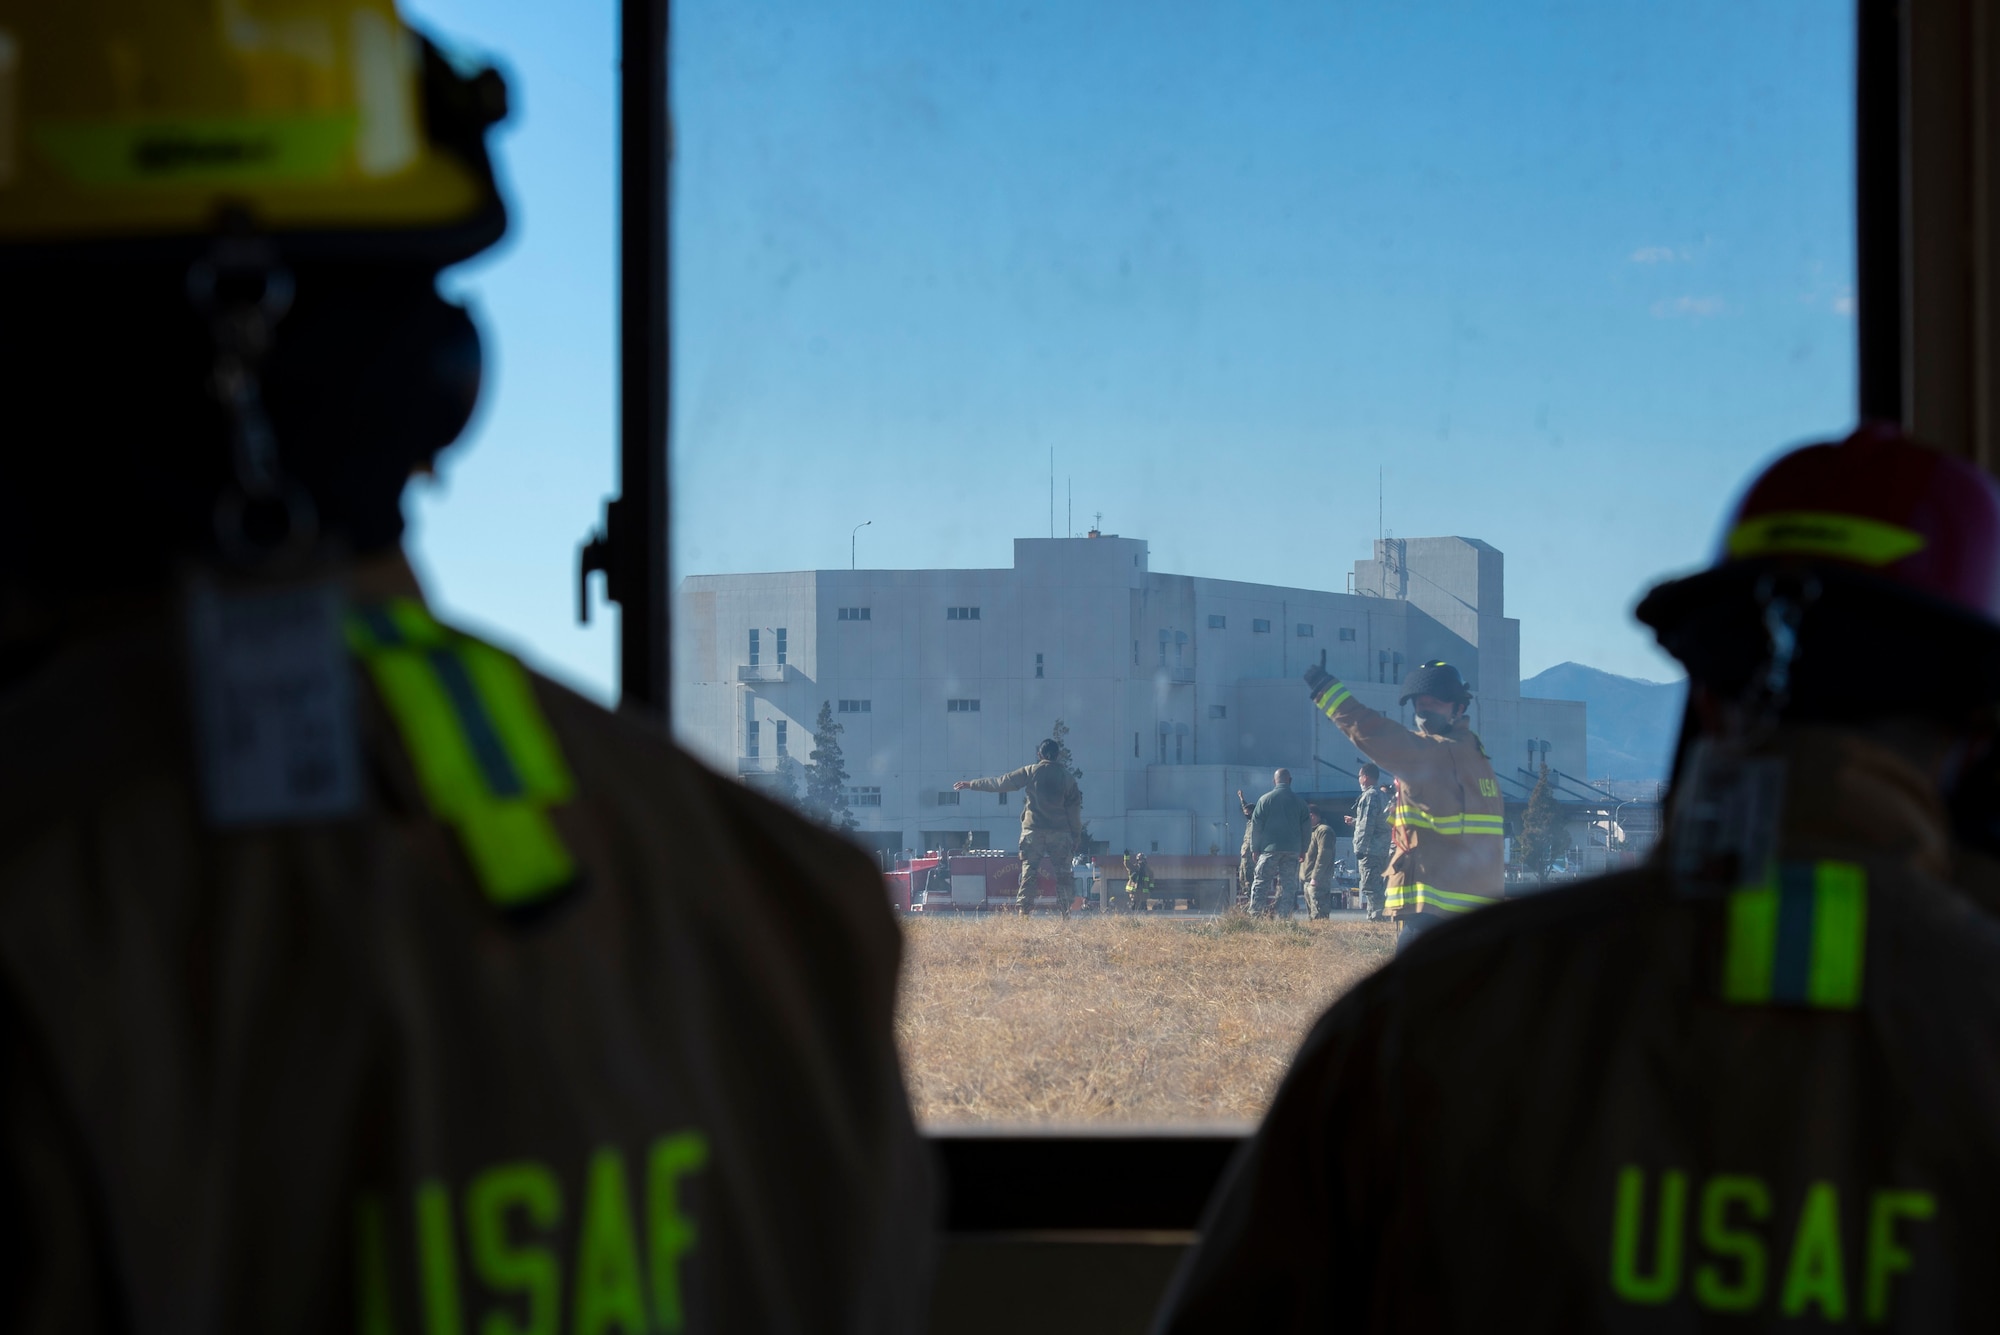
<point>852,538</point>
<point>1052,491</point>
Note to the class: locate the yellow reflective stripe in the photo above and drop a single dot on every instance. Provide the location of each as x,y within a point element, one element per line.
<point>1332,696</point>
<point>1839,935</point>
<point>515,851</point>
<point>485,757</point>
<point>199,150</point>
<point>1465,823</point>
<point>439,752</point>
<point>1868,542</point>
<point>1797,937</point>
<point>1423,897</point>
<point>509,698</point>
<point>416,625</point>
<point>399,623</point>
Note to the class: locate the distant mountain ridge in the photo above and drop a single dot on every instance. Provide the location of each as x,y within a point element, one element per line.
<point>1630,724</point>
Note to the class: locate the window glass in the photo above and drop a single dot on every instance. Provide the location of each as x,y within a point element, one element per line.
<point>1452,327</point>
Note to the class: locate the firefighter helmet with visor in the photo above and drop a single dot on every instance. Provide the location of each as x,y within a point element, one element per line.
<point>1892,543</point>
<point>329,124</point>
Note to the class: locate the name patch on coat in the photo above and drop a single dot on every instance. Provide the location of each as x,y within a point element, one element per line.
<point>273,705</point>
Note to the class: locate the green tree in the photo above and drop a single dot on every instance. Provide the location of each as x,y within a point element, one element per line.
<point>1060,732</point>
<point>826,777</point>
<point>786,786</point>
<point>1543,836</point>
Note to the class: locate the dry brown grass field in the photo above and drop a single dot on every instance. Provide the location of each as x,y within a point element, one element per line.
<point>1116,1018</point>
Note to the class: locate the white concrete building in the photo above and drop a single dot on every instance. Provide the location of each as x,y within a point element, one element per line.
<point>1177,689</point>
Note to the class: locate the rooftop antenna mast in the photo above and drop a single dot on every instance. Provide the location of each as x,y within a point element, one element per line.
<point>1052,491</point>
<point>1069,515</point>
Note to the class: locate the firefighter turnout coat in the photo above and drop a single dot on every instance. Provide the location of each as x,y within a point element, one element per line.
<point>557,1030</point>
<point>1447,826</point>
<point>1626,1106</point>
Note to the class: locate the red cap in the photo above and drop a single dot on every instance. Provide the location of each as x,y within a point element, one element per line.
<point>1881,503</point>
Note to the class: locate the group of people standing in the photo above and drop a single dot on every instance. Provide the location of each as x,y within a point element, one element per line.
<point>1286,840</point>
<point>1288,846</point>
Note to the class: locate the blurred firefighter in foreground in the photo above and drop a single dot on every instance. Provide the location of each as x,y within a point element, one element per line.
<point>1051,821</point>
<point>1447,825</point>
<point>1755,1080</point>
<point>353,976</point>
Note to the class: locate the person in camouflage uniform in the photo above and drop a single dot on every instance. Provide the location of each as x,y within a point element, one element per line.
<point>1246,861</point>
<point>1316,872</point>
<point>1051,819</point>
<point>1278,835</point>
<point>1371,837</point>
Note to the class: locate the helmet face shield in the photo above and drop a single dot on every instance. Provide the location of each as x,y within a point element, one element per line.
<point>130,120</point>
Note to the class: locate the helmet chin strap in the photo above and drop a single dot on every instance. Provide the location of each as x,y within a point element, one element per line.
<point>263,519</point>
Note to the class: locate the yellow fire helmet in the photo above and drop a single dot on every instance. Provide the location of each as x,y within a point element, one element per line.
<point>328,124</point>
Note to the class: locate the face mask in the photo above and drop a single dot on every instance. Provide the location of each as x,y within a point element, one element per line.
<point>1434,724</point>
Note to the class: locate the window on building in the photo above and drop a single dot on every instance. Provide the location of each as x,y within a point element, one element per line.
<point>1135,653</point>
<point>1217,622</point>
<point>1038,665</point>
<point>750,740</point>
<point>1178,744</point>
<point>856,706</point>
<point>754,647</point>
<point>961,614</point>
<point>781,735</point>
<point>1347,634</point>
<point>854,613</point>
<point>948,798</point>
<point>1135,746</point>
<point>1218,711</point>
<point>1260,626</point>
<point>864,797</point>
<point>1002,797</point>
<point>961,706</point>
<point>1305,631</point>
<point>781,646</point>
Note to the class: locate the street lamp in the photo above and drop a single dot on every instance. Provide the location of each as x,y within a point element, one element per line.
<point>852,538</point>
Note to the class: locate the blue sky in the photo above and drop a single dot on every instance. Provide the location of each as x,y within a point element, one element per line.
<point>1564,272</point>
